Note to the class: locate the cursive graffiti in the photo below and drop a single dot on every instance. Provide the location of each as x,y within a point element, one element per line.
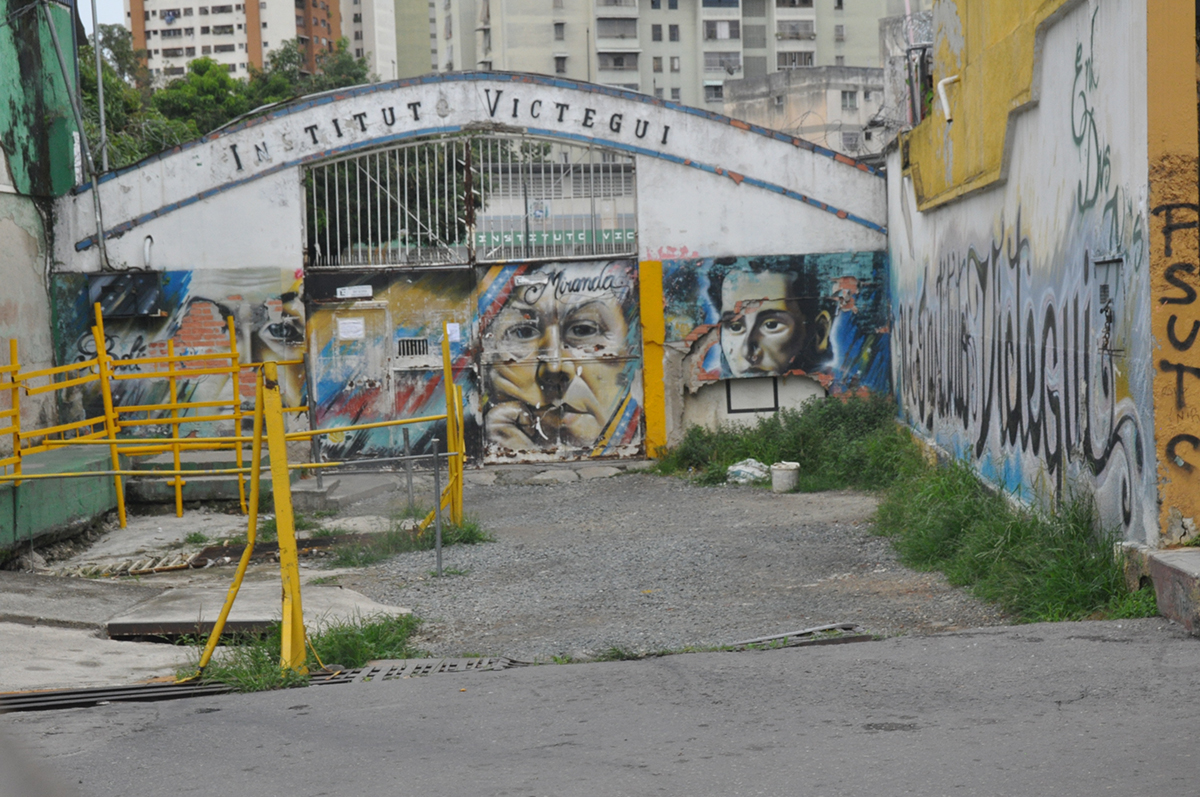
<point>1095,153</point>
<point>982,351</point>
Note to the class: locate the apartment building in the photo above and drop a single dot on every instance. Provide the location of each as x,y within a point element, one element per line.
<point>682,50</point>
<point>237,35</point>
<point>370,26</point>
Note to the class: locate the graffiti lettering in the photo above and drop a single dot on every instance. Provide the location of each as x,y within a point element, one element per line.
<point>1173,455</point>
<point>1186,343</point>
<point>1189,293</point>
<point>1098,167</point>
<point>1180,371</point>
<point>980,351</point>
<point>1170,226</point>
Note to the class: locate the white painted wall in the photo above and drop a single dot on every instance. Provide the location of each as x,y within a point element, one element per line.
<point>1058,235</point>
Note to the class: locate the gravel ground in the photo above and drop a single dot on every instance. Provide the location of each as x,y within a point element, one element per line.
<point>647,563</point>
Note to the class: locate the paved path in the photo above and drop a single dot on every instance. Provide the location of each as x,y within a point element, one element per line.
<point>1064,709</point>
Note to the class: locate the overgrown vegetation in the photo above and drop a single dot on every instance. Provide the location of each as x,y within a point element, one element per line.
<point>1037,565</point>
<point>251,664</point>
<point>841,443</point>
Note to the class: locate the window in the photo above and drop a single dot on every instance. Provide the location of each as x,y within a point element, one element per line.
<point>837,5</point>
<point>266,44</point>
<point>656,33</point>
<point>793,60</point>
<point>222,30</point>
<point>189,31</point>
<point>299,24</point>
<point>675,94</point>
<point>793,3</point>
<point>673,32</point>
<point>224,48</point>
<point>850,141</point>
<point>723,62</point>
<point>170,14</point>
<point>358,35</point>
<point>849,100</point>
<point>795,29</point>
<point>222,9</point>
<point>173,52</point>
<point>839,60</point>
<point>618,62</point>
<point>674,63</point>
<point>658,93</point>
<point>839,33</point>
<point>656,4</point>
<point>358,52</point>
<point>206,50</point>
<point>205,29</point>
<point>719,3</point>
<point>264,26</point>
<point>171,33</point>
<point>866,135</point>
<point>560,32</point>
<point>190,51</point>
<point>487,40</point>
<point>173,70</point>
<point>778,100</point>
<point>657,63</point>
<point>357,17</point>
<point>714,93</point>
<point>616,29</point>
<point>719,29</point>
<point>239,27</point>
<point>754,36</point>
<point>560,65</point>
<point>672,5</point>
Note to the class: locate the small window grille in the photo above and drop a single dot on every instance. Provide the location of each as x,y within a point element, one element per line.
<point>412,347</point>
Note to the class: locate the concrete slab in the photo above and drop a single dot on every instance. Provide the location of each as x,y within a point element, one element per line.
<point>363,524</point>
<point>42,508</point>
<point>598,472</point>
<point>193,609</point>
<point>63,658</point>
<point>66,602</point>
<point>558,476</point>
<point>1176,578</point>
<point>485,478</point>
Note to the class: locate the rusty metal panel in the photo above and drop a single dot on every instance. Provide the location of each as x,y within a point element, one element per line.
<point>560,355</point>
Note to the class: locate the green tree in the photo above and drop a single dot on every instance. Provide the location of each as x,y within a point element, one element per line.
<point>337,68</point>
<point>205,98</point>
<point>116,47</point>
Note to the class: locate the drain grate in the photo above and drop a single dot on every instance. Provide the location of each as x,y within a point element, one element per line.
<point>395,669</point>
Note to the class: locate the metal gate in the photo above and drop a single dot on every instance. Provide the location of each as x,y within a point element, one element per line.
<point>470,199</point>
<point>525,246</point>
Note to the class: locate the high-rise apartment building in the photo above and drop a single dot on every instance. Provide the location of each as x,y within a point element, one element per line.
<point>682,50</point>
<point>370,27</point>
<point>237,35</point>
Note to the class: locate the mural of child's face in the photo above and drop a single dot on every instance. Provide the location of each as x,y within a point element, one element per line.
<point>762,328</point>
<point>561,341</point>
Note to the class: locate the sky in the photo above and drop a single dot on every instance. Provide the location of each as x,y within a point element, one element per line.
<point>108,11</point>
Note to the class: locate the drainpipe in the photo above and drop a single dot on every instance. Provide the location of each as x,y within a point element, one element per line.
<point>908,70</point>
<point>83,142</point>
<point>942,94</point>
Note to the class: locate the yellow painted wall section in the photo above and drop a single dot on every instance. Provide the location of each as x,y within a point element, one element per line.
<point>1174,255</point>
<point>654,394</point>
<point>990,45</point>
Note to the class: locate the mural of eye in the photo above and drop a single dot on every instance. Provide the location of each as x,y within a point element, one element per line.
<point>735,325</point>
<point>523,332</point>
<point>583,330</point>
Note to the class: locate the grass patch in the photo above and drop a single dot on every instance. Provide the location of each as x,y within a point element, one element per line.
<point>1038,566</point>
<point>251,664</point>
<point>839,443</point>
<point>389,543</point>
<point>196,538</point>
<point>617,654</point>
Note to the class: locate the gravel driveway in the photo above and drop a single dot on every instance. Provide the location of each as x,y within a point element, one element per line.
<point>648,563</point>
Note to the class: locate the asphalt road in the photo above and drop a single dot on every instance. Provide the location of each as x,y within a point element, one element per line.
<point>1054,709</point>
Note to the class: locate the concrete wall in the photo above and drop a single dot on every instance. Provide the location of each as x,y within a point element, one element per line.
<point>1023,312</point>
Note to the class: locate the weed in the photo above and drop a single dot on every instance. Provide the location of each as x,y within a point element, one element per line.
<point>839,443</point>
<point>564,659</point>
<point>389,543</point>
<point>449,571</point>
<point>324,580</point>
<point>196,538</point>
<point>1038,566</point>
<point>324,533</point>
<point>251,663</point>
<point>617,654</point>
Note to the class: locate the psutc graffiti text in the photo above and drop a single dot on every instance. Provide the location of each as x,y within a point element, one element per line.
<point>983,351</point>
<point>1177,217</point>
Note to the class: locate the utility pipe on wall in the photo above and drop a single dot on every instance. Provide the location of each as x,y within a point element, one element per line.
<point>942,94</point>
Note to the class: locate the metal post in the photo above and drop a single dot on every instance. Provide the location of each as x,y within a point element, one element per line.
<point>437,507</point>
<point>99,89</point>
<point>408,468</point>
<point>292,653</point>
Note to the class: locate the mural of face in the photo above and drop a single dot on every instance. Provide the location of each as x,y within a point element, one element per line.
<point>560,371</point>
<point>762,326</point>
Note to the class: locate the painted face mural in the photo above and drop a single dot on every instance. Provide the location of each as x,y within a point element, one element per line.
<point>824,316</point>
<point>561,359</point>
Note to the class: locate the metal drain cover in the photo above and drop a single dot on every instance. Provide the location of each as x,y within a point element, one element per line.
<point>394,669</point>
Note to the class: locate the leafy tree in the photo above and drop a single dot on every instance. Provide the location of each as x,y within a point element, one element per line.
<point>337,68</point>
<point>205,98</point>
<point>116,47</point>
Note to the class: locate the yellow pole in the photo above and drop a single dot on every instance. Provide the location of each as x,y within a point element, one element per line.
<point>174,393</point>
<point>251,528</point>
<point>292,654</point>
<point>235,369</point>
<point>451,420</point>
<point>459,462</point>
<point>16,407</point>
<point>110,415</point>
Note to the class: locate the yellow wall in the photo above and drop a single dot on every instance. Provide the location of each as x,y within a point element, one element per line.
<point>1174,255</point>
<point>654,396</point>
<point>990,46</point>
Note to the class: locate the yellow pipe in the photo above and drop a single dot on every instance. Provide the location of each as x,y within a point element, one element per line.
<point>251,529</point>
<point>149,474</point>
<point>58,369</point>
<point>175,421</point>
<point>185,372</point>
<point>110,417</point>
<point>292,653</point>
<point>175,450</point>
<point>183,405</point>
<point>305,435</point>
<point>182,358</point>
<point>236,375</point>
<point>15,363</point>
<point>79,380</point>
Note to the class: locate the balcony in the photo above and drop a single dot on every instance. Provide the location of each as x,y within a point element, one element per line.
<point>616,8</point>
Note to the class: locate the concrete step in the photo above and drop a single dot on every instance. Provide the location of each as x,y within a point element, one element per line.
<point>199,460</point>
<point>46,509</point>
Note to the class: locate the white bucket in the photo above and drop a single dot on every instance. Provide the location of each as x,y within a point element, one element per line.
<point>784,476</point>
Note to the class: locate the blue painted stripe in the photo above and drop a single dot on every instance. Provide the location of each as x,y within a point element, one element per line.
<point>315,100</point>
<point>126,226</point>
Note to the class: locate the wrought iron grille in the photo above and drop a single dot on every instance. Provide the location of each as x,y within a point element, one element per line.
<point>470,199</point>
